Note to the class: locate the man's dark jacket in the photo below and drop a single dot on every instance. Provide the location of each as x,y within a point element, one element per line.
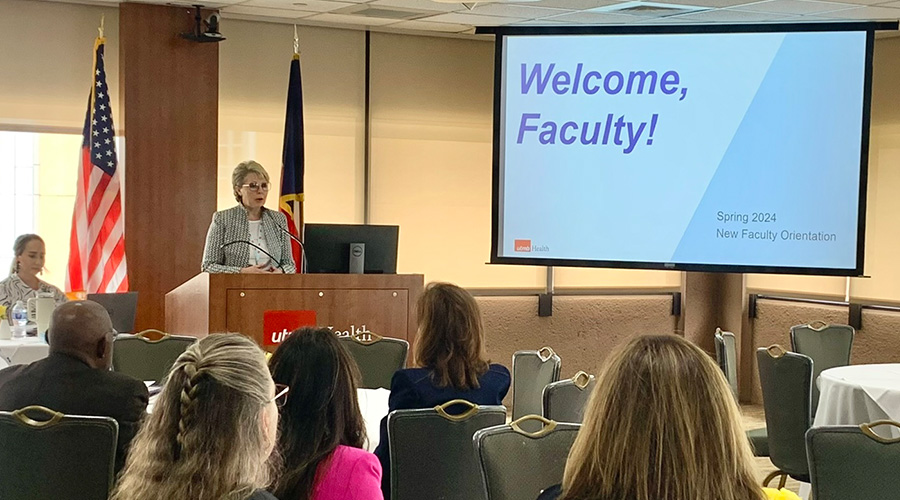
<point>68,385</point>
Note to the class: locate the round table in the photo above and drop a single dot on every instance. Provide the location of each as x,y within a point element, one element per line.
<point>857,394</point>
<point>24,351</point>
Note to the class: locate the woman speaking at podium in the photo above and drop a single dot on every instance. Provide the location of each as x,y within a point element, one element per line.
<point>248,238</point>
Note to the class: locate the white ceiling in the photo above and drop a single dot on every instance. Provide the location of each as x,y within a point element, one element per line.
<point>461,18</point>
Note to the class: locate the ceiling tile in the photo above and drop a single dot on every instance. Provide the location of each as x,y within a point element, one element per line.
<point>301,5</point>
<point>594,18</point>
<point>472,19</point>
<point>707,3</point>
<point>865,13</point>
<point>733,16</point>
<point>513,10</point>
<point>427,26</point>
<point>350,19</point>
<point>573,4</point>
<point>795,7</point>
<point>890,4</point>
<point>264,12</point>
<point>418,4</point>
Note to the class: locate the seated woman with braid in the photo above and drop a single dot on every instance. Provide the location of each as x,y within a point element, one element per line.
<point>212,431</point>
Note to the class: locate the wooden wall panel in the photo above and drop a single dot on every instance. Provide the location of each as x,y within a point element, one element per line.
<point>169,97</point>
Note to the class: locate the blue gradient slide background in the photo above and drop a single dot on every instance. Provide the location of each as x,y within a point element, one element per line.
<point>771,124</point>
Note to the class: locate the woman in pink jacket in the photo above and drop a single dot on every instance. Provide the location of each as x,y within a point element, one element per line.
<point>321,429</point>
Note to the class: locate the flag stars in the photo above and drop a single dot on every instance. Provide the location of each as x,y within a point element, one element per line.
<point>108,152</point>
<point>99,83</point>
<point>98,156</point>
<point>96,133</point>
<point>109,164</point>
<point>102,106</point>
<point>105,130</point>
<point>106,141</point>
<point>100,95</point>
<point>94,122</point>
<point>103,118</point>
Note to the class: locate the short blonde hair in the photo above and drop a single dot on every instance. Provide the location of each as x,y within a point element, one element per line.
<point>241,171</point>
<point>661,424</point>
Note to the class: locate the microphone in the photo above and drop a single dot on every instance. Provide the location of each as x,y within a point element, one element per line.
<point>256,247</point>
<point>299,242</point>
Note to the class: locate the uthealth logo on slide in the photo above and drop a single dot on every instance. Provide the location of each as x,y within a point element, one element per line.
<point>526,246</point>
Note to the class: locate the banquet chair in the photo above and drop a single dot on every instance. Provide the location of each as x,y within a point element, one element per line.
<point>853,462</point>
<point>531,372</point>
<point>785,378</point>
<point>47,455</point>
<point>431,451</point>
<point>726,356</point>
<point>518,464</point>
<point>828,346</point>
<point>144,358</point>
<point>377,357</point>
<point>564,400</point>
<point>3,362</point>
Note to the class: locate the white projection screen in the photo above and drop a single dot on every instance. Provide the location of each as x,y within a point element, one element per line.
<point>734,148</point>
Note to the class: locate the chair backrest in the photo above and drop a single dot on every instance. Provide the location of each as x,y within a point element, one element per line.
<point>377,357</point>
<point>431,451</point>
<point>531,372</point>
<point>854,462</point>
<point>145,359</point>
<point>564,400</point>
<point>785,378</point>
<point>726,355</point>
<point>45,454</point>
<point>122,308</point>
<point>828,346</point>
<point>518,464</point>
<point>3,361</point>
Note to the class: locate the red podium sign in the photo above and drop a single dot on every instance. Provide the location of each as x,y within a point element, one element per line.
<point>278,325</point>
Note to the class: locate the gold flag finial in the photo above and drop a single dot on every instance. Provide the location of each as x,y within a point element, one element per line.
<point>102,20</point>
<point>296,43</point>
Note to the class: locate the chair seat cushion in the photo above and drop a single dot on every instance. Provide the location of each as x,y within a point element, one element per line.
<point>759,439</point>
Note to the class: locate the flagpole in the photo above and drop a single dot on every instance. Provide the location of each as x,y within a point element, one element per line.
<point>296,44</point>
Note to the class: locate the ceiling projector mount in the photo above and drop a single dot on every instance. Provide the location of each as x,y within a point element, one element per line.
<point>211,31</point>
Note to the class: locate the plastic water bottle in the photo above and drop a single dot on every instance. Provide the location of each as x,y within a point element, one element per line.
<point>20,319</point>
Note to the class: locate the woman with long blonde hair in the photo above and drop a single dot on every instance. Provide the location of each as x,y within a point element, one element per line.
<point>662,425</point>
<point>213,428</point>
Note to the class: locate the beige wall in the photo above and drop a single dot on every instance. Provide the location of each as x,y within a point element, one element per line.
<point>46,51</point>
<point>254,66</point>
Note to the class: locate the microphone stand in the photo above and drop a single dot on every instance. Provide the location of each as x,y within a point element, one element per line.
<point>256,247</point>
<point>302,248</point>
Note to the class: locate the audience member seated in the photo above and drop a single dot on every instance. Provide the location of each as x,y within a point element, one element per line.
<point>322,431</point>
<point>75,378</point>
<point>23,282</point>
<point>449,351</point>
<point>662,423</point>
<point>212,429</point>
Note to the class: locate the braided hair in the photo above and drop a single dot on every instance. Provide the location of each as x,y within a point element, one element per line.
<point>204,440</point>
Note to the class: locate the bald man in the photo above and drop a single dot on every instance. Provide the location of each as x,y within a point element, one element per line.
<point>75,378</point>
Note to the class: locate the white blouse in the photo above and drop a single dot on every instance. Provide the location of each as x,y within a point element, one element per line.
<point>257,237</point>
<point>13,289</point>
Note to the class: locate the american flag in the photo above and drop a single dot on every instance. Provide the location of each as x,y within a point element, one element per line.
<point>97,244</point>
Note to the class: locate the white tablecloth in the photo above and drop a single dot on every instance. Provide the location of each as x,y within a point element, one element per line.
<point>24,351</point>
<point>373,404</point>
<point>857,394</point>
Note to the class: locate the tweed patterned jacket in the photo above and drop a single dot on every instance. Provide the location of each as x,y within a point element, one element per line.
<point>233,225</point>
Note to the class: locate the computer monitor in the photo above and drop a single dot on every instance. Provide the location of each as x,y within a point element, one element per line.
<point>122,308</point>
<point>328,247</point>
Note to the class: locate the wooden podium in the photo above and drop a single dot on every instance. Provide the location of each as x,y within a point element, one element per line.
<point>213,303</point>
